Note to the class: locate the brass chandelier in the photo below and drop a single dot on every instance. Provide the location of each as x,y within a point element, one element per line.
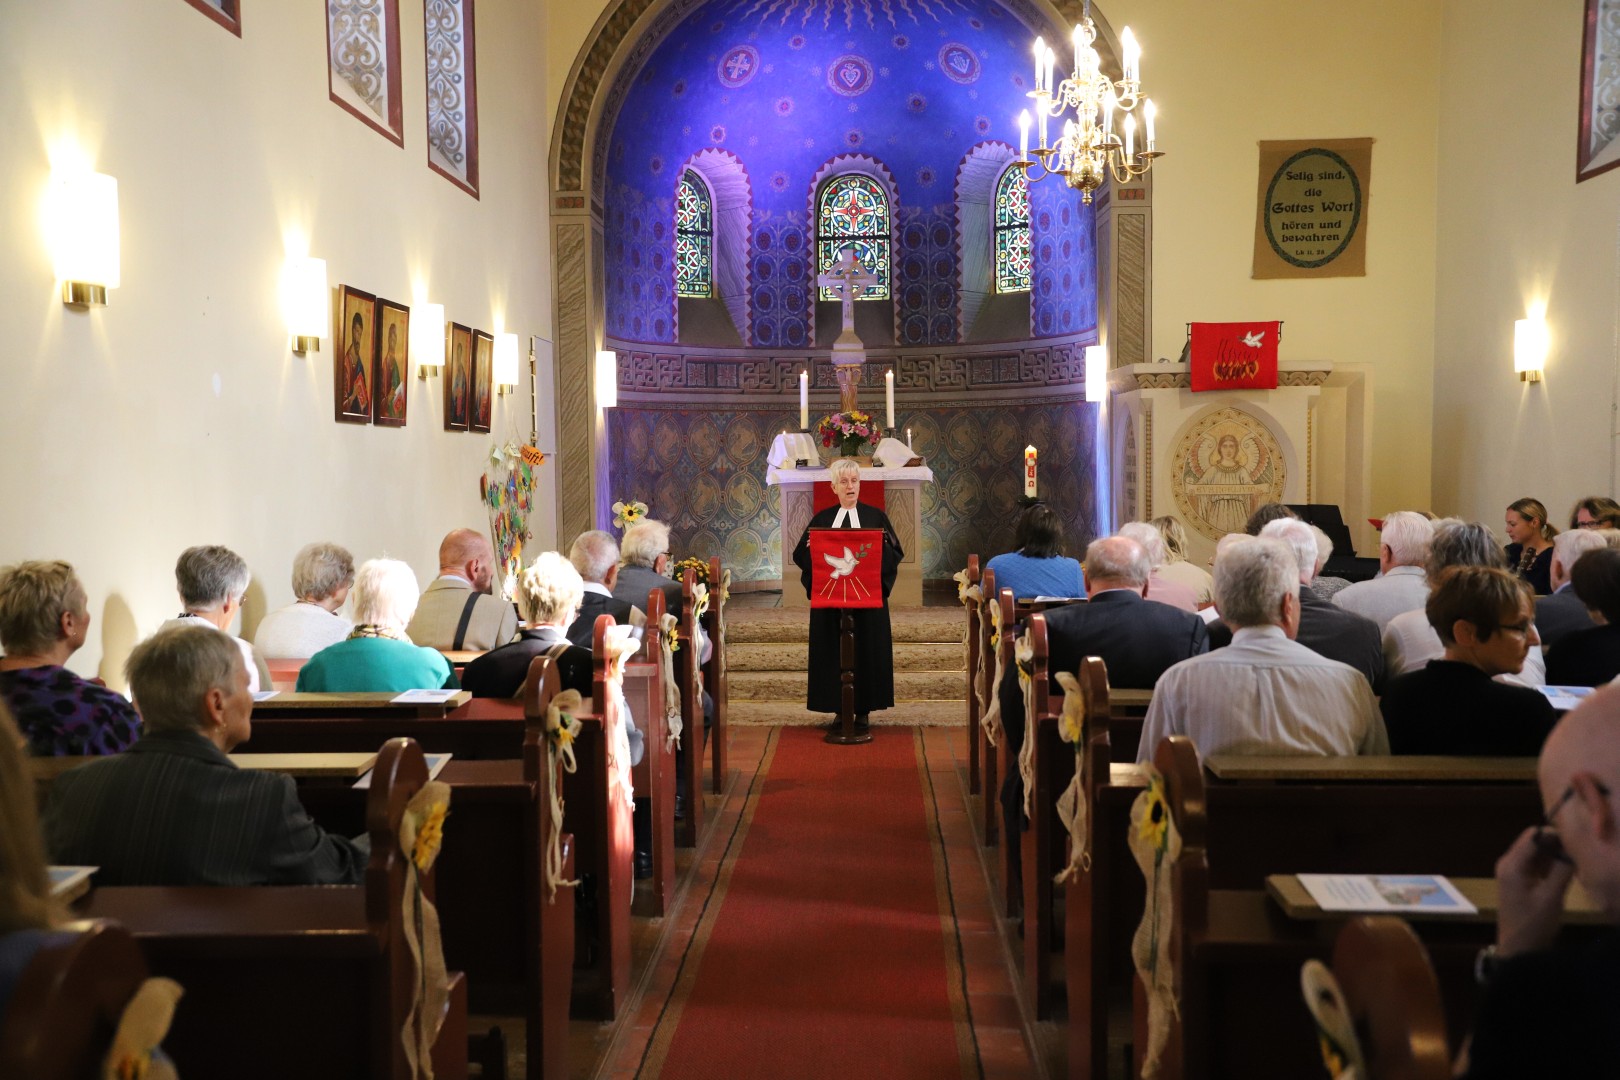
<point>1088,151</point>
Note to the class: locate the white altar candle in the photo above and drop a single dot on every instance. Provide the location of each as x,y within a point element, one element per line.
<point>888,397</point>
<point>1029,472</point>
<point>908,438</point>
<point>804,401</point>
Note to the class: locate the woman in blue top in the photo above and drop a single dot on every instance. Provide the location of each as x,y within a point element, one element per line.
<point>1037,566</point>
<point>377,655</point>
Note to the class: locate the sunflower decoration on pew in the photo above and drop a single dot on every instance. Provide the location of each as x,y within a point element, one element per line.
<point>1073,722</point>
<point>966,594</point>
<point>562,727</point>
<point>626,514</point>
<point>423,826</point>
<point>1155,844</point>
<point>673,636</point>
<point>1154,827</point>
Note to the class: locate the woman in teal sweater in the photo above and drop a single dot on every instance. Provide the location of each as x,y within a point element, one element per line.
<point>377,655</point>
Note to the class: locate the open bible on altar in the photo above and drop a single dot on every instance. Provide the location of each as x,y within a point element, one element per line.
<point>1386,893</point>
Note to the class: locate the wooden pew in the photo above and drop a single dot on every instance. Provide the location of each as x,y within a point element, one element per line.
<point>597,813</point>
<point>1011,895</point>
<point>1393,998</point>
<point>990,780</point>
<point>654,777</point>
<point>692,734</point>
<point>468,727</point>
<point>67,1003</point>
<point>340,952</point>
<point>1232,943</point>
<point>1045,842</point>
<point>971,638</point>
<point>714,675</point>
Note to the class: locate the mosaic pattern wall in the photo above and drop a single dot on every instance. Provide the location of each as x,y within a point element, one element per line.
<point>703,472</point>
<point>789,86</point>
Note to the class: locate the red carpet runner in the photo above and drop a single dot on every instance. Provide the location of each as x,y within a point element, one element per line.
<point>828,955</point>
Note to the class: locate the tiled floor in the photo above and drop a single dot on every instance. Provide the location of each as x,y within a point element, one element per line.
<point>1006,1046</point>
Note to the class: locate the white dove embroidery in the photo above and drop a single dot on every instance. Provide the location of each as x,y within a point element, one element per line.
<point>841,567</point>
<point>1252,339</point>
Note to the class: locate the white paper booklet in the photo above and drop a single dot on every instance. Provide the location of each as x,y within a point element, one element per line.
<point>435,764</point>
<point>264,695</point>
<point>1565,698</point>
<point>1386,893</point>
<point>424,697</point>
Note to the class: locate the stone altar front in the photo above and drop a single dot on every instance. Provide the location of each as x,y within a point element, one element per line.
<point>902,501</point>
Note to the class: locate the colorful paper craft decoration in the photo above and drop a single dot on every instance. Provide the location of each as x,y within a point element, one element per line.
<point>846,568</point>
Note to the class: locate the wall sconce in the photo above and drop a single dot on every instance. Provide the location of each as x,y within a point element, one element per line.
<point>82,217</point>
<point>505,365</point>
<point>427,338</point>
<point>304,302</point>
<point>1530,348</point>
<point>607,379</point>
<point>1096,373</point>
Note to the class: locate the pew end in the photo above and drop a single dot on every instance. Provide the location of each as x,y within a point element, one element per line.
<point>1393,996</point>
<point>67,1003</point>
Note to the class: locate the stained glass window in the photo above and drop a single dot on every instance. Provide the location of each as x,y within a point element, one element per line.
<point>854,212</point>
<point>1012,232</point>
<point>694,237</point>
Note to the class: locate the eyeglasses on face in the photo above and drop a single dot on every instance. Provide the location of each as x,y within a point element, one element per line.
<point>1548,843</point>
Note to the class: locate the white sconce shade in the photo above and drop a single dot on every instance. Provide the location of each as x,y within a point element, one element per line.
<point>427,338</point>
<point>304,302</point>
<point>506,362</point>
<point>1530,339</point>
<point>607,379</point>
<point>82,219</point>
<point>1096,373</point>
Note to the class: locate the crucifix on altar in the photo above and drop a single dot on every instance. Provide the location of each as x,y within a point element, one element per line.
<point>846,278</point>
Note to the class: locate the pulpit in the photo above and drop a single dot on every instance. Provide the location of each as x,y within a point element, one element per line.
<point>902,501</point>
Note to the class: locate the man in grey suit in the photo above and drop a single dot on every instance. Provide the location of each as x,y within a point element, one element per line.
<point>1561,613</point>
<point>174,810</point>
<point>456,610</point>
<point>644,566</point>
<point>1324,627</point>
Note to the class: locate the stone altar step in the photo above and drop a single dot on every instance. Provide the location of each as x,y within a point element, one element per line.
<point>788,686</point>
<point>794,656</point>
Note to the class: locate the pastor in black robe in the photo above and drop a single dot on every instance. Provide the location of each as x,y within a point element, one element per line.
<point>874,648</point>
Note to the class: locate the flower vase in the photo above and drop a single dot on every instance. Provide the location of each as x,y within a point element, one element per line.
<point>851,448</point>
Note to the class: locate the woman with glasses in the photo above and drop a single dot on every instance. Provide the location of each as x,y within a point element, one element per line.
<point>1595,512</point>
<point>1591,657</point>
<point>1485,617</point>
<point>1530,547</point>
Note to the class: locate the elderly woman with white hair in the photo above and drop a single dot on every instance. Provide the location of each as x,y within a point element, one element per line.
<point>549,595</point>
<point>377,655</point>
<point>1160,588</point>
<point>322,575</point>
<point>874,647</point>
<point>212,581</point>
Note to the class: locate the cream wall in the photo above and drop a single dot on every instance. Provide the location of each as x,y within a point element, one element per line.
<point>1515,232</point>
<point>176,415</point>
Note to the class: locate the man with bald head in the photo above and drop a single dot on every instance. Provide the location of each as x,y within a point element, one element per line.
<point>1550,1009</point>
<point>457,611</point>
<point>1137,639</point>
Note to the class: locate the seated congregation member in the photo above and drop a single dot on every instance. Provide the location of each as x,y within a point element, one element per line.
<point>549,593</point>
<point>1561,612</point>
<point>1324,627</point>
<point>1485,617</point>
<point>212,581</point>
<point>1402,585</point>
<point>1410,642</point>
<point>1265,693</point>
<point>1160,588</point>
<point>322,575</point>
<point>457,610</point>
<point>1595,512</point>
<point>1037,566</point>
<point>1325,587</point>
<point>1591,657</point>
<point>595,554</point>
<point>1547,1008</point>
<point>44,620</point>
<point>1264,515</point>
<point>27,912</point>
<point>1530,544</point>
<point>175,810</point>
<point>643,566</point>
<point>377,655</point>
<point>1176,566</point>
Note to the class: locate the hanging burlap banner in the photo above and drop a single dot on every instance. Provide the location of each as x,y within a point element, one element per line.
<point>1156,844</point>
<point>1311,220</point>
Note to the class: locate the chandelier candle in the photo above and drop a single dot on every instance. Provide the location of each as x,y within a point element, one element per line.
<point>1029,472</point>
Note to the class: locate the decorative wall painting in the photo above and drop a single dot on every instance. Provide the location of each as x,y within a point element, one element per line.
<point>354,358</point>
<point>483,379</point>
<point>458,377</point>
<point>393,350</point>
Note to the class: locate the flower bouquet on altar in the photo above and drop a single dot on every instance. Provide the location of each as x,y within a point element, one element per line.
<point>848,431</point>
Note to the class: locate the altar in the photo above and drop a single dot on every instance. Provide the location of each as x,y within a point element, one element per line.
<point>902,501</point>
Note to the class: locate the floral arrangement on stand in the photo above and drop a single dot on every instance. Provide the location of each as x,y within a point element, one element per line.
<point>848,431</point>
<point>691,562</point>
<point>626,514</point>
<point>507,488</point>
